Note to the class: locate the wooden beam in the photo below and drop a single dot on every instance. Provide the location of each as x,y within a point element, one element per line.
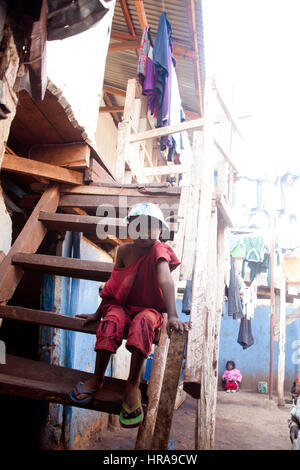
<point>169,391</point>
<point>161,131</point>
<point>135,190</point>
<point>178,50</point>
<point>139,6</point>
<point>69,267</point>
<point>114,115</point>
<point>166,170</point>
<point>41,381</point>
<point>127,17</point>
<point>111,203</point>
<point>225,210</point>
<point>227,112</point>
<point>52,319</point>
<point>114,91</point>
<point>28,241</point>
<point>111,109</point>
<point>196,64</point>
<point>123,46</point>
<point>75,155</point>
<point>226,157</point>
<point>26,166</point>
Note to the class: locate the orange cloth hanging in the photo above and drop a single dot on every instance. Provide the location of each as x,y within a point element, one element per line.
<point>291,269</point>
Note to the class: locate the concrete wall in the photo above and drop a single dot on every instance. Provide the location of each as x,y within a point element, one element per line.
<point>254,361</point>
<point>76,66</point>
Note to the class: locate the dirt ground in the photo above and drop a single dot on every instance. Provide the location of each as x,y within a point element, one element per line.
<point>244,421</point>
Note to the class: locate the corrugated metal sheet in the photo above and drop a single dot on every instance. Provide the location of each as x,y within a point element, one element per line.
<point>122,65</point>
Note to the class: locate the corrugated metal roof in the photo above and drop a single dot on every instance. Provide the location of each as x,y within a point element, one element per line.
<point>122,65</point>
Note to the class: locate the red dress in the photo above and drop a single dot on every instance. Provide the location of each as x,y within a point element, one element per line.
<point>137,302</point>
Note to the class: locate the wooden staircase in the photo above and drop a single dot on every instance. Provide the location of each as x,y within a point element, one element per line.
<point>39,380</point>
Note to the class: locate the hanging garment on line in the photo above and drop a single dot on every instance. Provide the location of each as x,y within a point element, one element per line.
<point>235,307</point>
<point>146,43</point>
<point>245,337</point>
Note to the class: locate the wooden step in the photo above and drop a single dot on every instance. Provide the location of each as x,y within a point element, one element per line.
<point>70,267</point>
<point>40,381</point>
<point>91,225</point>
<point>168,203</point>
<point>52,319</point>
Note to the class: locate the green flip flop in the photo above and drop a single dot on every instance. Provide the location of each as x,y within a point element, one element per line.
<point>135,420</point>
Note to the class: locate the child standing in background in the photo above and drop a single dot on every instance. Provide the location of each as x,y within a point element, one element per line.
<point>231,377</point>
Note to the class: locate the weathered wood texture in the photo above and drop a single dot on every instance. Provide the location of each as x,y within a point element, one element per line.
<point>55,320</point>
<point>25,166</point>
<point>145,433</point>
<point>172,129</point>
<point>70,267</point>
<point>199,308</point>
<point>281,342</point>
<point>206,404</point>
<point>169,391</point>
<point>40,381</point>
<point>102,228</point>
<point>191,210</point>
<point>75,155</point>
<point>96,174</point>
<point>28,241</point>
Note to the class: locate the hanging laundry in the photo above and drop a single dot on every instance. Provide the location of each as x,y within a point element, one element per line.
<point>291,269</point>
<point>257,268</point>
<point>245,337</point>
<point>250,300</point>
<point>250,248</point>
<point>235,307</point>
<point>146,43</point>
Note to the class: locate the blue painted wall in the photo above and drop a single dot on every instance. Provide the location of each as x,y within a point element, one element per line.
<point>72,349</point>
<point>254,361</point>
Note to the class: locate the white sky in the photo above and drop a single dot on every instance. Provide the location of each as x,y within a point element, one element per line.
<point>255,45</point>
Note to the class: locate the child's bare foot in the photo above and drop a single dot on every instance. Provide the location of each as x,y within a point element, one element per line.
<point>92,385</point>
<point>132,395</point>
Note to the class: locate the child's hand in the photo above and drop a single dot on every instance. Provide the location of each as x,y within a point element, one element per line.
<point>91,318</point>
<point>176,324</point>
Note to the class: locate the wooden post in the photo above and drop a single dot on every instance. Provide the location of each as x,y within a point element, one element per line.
<point>204,435</point>
<point>272,260</point>
<point>281,345</point>
<point>124,129</point>
<point>169,391</point>
<point>199,307</point>
<point>146,431</point>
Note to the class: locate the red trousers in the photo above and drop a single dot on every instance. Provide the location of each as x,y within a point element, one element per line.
<point>138,325</point>
<point>232,385</point>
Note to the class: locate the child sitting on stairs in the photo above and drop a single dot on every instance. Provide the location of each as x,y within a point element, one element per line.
<point>134,299</point>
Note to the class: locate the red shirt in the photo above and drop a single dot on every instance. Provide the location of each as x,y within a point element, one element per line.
<point>137,285</point>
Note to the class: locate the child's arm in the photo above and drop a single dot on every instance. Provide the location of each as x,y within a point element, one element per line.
<point>166,284</point>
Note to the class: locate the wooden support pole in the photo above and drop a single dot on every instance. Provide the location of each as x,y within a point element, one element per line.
<point>169,391</point>
<point>199,307</point>
<point>194,43</point>
<point>145,434</point>
<point>272,307</point>
<point>28,241</point>
<point>281,344</point>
